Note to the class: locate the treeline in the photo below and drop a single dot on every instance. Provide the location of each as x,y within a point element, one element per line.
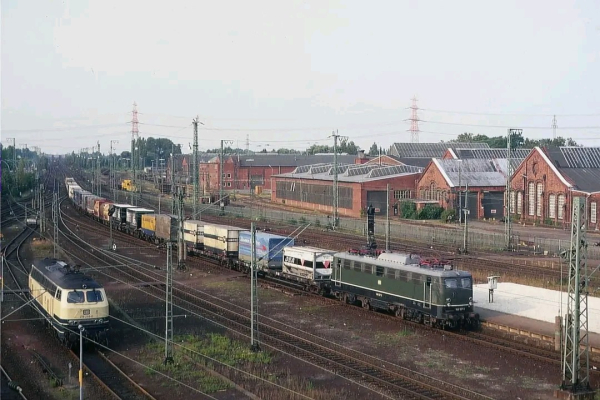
<point>516,141</point>
<point>20,178</point>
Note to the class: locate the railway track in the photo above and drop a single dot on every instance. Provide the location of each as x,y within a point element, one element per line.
<point>335,240</point>
<point>10,390</point>
<point>490,340</point>
<point>106,374</point>
<point>118,384</point>
<point>486,339</point>
<point>354,366</point>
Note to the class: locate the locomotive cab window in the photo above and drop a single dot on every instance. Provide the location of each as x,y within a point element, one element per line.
<point>58,294</point>
<point>379,271</point>
<point>451,283</point>
<point>75,297</point>
<point>93,296</point>
<point>466,283</point>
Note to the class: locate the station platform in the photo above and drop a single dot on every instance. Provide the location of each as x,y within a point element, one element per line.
<point>531,309</point>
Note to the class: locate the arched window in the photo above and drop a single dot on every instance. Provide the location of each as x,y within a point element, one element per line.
<point>531,198</point>
<point>552,206</point>
<point>539,202</point>
<point>519,202</point>
<point>513,202</point>
<point>560,200</point>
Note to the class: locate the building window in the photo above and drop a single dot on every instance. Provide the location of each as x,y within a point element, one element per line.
<point>229,175</point>
<point>228,184</point>
<point>513,202</point>
<point>593,212</point>
<point>540,191</point>
<point>519,202</point>
<point>531,198</point>
<point>552,206</point>
<point>561,206</point>
<point>402,194</point>
<point>426,197</point>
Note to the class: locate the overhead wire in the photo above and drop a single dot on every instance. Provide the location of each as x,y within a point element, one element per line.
<point>162,299</point>
<point>506,114</point>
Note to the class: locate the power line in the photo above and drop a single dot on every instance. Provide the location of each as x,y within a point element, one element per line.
<point>508,126</point>
<point>508,114</point>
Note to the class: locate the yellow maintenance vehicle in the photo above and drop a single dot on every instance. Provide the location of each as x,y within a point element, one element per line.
<point>128,185</point>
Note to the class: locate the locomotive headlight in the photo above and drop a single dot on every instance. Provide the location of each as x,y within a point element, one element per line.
<point>448,301</point>
<point>470,301</point>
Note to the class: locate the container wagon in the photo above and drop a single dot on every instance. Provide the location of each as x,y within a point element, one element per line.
<point>308,265</point>
<point>269,249</point>
<point>222,240</point>
<point>193,234</point>
<point>134,218</point>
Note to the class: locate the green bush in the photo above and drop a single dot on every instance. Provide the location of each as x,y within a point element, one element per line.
<point>430,211</point>
<point>448,215</point>
<point>408,210</point>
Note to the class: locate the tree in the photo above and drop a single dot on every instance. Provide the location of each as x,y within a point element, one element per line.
<point>374,149</point>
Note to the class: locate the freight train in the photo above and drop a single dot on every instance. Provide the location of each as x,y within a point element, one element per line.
<point>431,292</point>
<point>67,299</point>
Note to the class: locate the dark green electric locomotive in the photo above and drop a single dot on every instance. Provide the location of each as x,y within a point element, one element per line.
<point>433,293</point>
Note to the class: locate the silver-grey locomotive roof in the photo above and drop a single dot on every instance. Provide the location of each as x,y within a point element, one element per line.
<point>437,271</point>
<point>65,276</point>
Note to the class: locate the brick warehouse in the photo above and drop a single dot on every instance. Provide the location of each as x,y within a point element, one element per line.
<point>483,180</point>
<point>543,186</point>
<point>311,187</point>
<point>245,172</point>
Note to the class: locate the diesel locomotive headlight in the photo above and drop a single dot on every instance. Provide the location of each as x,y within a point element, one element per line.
<point>470,301</point>
<point>448,300</point>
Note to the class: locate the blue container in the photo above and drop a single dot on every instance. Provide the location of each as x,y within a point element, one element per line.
<point>269,249</point>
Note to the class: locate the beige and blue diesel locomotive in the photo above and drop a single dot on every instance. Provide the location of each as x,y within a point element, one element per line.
<point>68,299</point>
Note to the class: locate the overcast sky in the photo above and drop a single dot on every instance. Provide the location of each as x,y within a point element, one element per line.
<point>286,73</point>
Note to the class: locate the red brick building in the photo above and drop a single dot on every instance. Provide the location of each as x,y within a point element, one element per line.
<point>480,184</point>
<point>359,185</point>
<point>543,186</point>
<point>244,172</point>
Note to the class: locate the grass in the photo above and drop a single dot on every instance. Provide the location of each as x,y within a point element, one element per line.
<point>182,369</point>
<point>226,284</point>
<point>392,339</point>
<point>42,248</point>
<point>439,360</point>
<point>310,309</point>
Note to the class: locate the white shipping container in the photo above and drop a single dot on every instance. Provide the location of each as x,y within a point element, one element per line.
<point>193,232</point>
<point>134,215</point>
<point>222,238</point>
<point>308,263</point>
<point>72,188</point>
